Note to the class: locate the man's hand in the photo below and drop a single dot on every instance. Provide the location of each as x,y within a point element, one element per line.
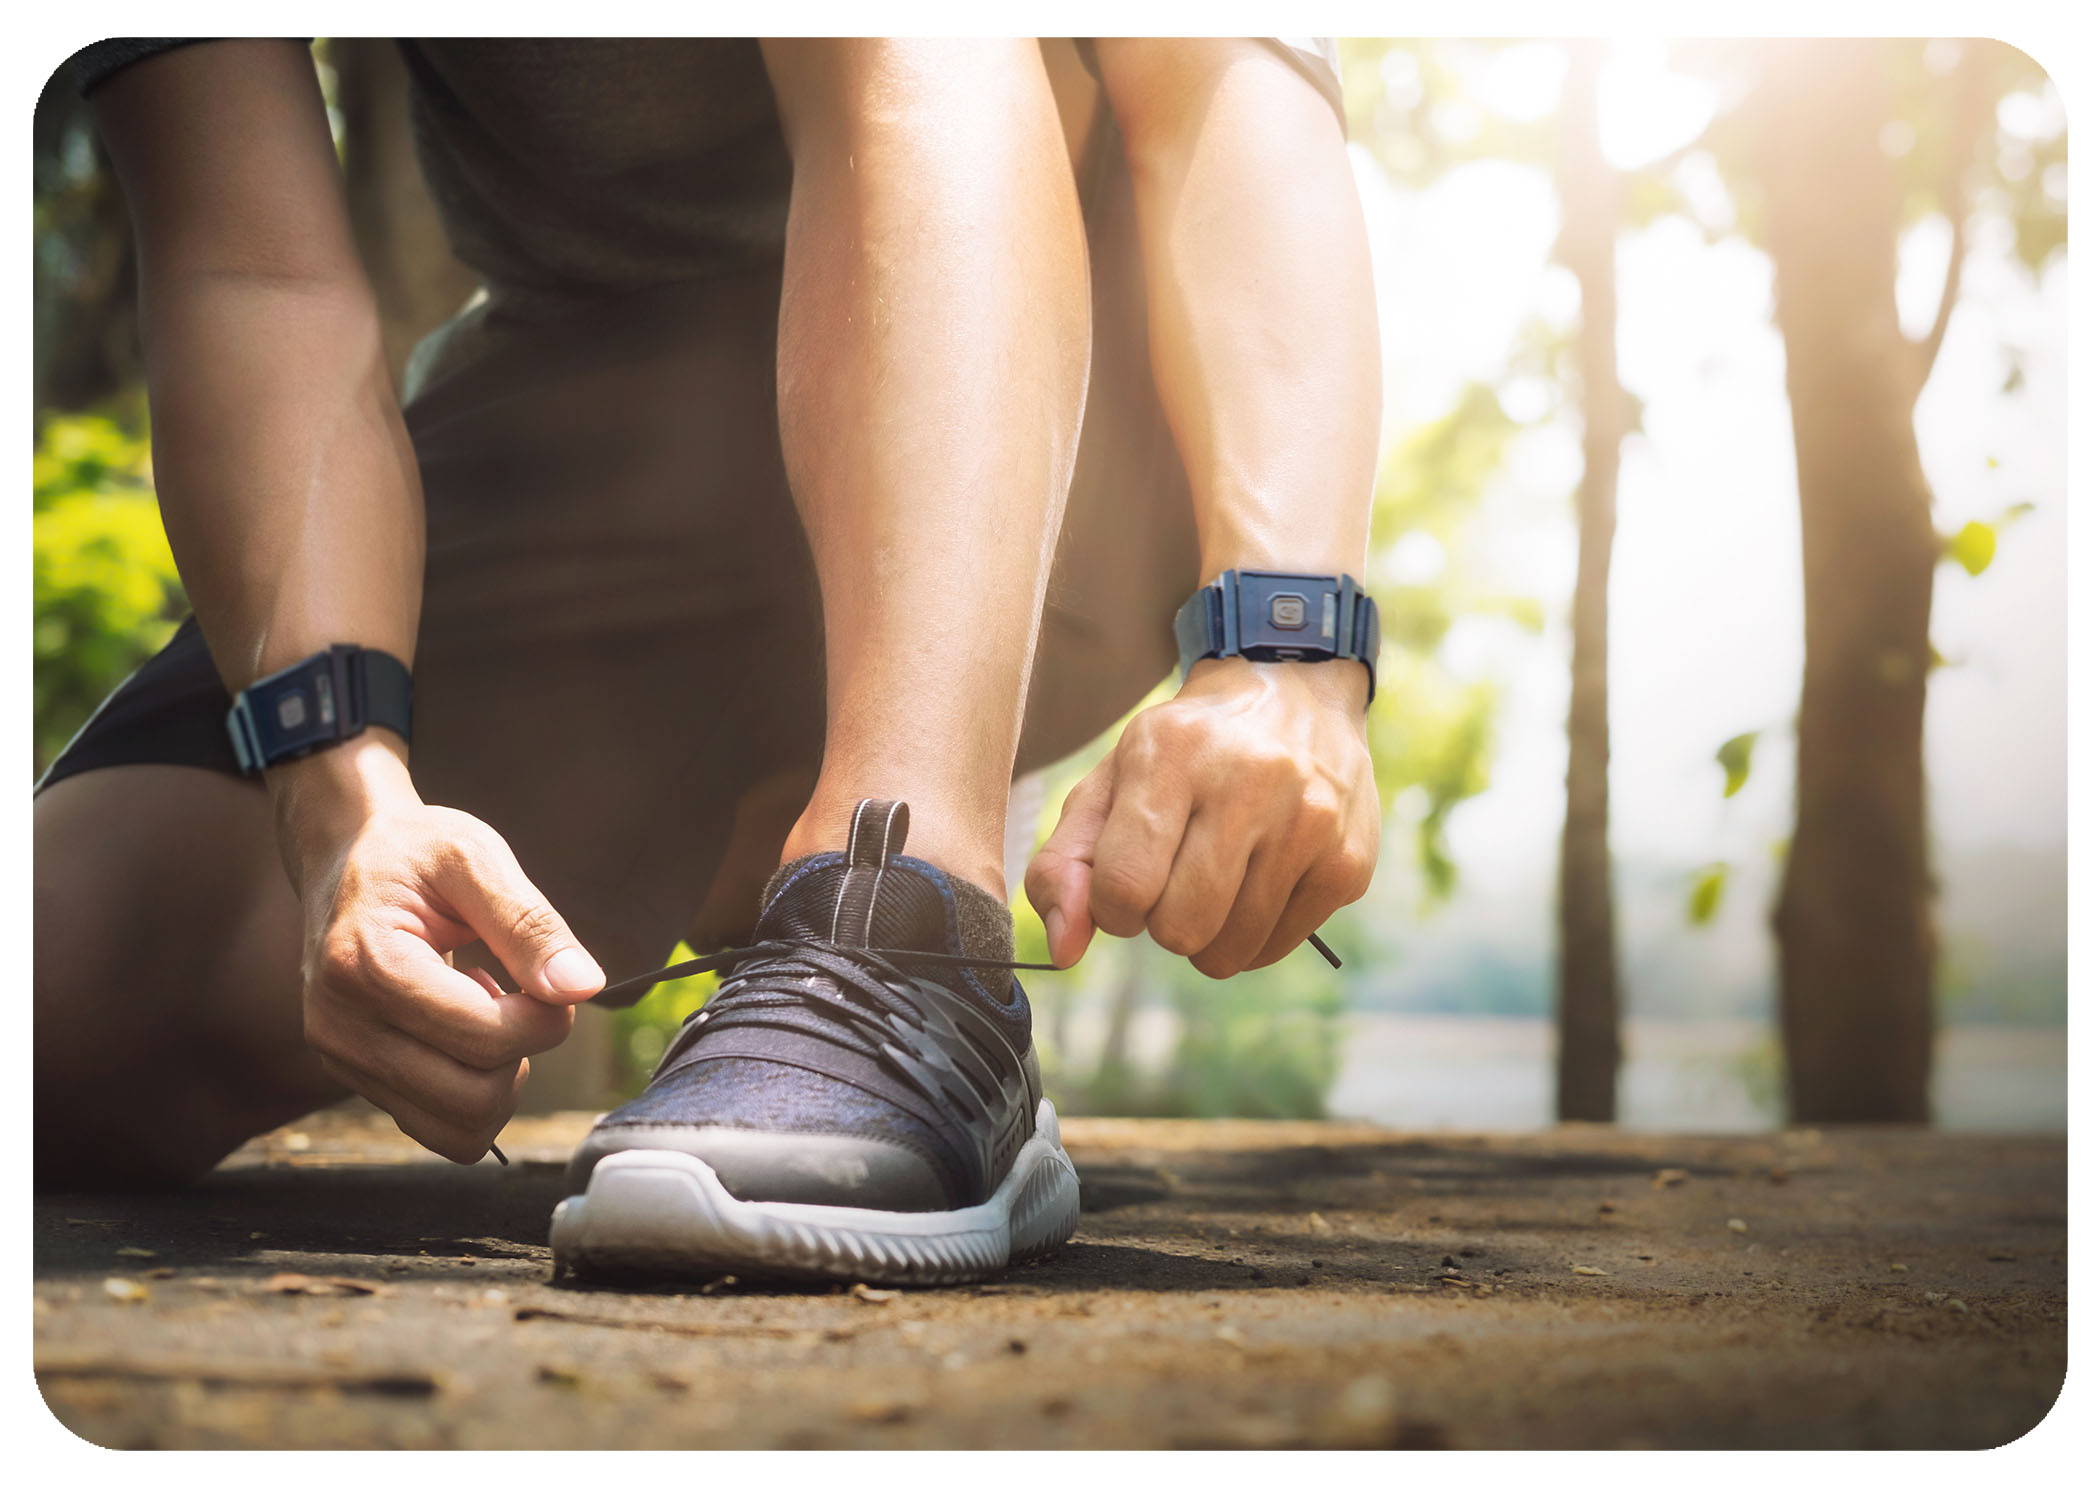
<point>390,887</point>
<point>1230,821</point>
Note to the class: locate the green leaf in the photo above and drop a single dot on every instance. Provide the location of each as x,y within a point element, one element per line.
<point>1973,547</point>
<point>1707,890</point>
<point>1734,757</point>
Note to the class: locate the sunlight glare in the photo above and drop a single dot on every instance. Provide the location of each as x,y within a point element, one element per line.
<point>1645,110</point>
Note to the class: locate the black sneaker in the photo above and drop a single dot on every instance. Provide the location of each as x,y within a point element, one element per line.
<point>859,1100</point>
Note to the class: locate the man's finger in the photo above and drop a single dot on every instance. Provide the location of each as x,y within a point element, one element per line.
<point>1136,849</point>
<point>435,1082</point>
<point>402,981</point>
<point>461,1143</point>
<point>1059,879</point>
<point>1318,895</point>
<point>1203,882</point>
<point>488,890</point>
<point>1263,893</point>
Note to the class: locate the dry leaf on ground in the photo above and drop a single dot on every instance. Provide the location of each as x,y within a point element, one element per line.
<point>331,1285</point>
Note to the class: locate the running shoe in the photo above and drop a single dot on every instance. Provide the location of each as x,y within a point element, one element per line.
<point>858,1101</point>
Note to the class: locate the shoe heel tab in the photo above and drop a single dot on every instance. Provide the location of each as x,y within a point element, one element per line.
<point>877,832</point>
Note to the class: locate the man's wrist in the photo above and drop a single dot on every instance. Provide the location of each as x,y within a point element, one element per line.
<point>1340,683</point>
<point>321,800</point>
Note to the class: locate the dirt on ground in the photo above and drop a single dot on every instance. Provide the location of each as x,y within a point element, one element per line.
<point>1233,1284</point>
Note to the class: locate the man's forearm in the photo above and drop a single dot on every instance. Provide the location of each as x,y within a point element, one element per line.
<point>286,478</point>
<point>289,491</point>
<point>1262,318</point>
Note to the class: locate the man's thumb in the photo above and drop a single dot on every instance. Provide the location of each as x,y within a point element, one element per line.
<point>527,935</point>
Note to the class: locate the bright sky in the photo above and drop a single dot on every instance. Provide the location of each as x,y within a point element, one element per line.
<point>1706,619</point>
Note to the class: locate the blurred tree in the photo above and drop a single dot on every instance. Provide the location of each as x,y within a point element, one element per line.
<point>85,274</point>
<point>1855,922</point>
<point>1423,121</point>
<point>1815,138</point>
<point>1588,1048</point>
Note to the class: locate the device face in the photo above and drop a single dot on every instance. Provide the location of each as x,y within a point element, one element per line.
<point>287,714</point>
<point>1284,618</point>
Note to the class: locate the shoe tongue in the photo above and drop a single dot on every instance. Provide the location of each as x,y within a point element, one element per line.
<point>869,896</point>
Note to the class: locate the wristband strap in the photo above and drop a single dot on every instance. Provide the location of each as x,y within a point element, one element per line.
<point>317,702</point>
<point>1272,616</point>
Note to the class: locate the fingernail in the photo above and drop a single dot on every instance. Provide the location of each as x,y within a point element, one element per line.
<point>573,971</point>
<point>1054,928</point>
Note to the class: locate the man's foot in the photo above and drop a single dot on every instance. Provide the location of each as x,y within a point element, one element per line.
<point>840,1109</point>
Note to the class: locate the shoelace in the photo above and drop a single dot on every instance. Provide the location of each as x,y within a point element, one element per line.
<point>730,957</point>
<point>822,957</point>
<point>859,999</point>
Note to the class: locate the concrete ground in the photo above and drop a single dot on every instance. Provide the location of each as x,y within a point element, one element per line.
<point>1232,1284</point>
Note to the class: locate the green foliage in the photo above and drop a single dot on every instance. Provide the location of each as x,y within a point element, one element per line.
<point>1257,1047</point>
<point>1760,1069</point>
<point>1708,887</point>
<point>1734,756</point>
<point>644,1029</point>
<point>1266,1044</point>
<point>105,591</point>
<point>1414,103</point>
<point>1973,546</point>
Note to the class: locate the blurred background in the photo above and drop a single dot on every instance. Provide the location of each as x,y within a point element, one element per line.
<point>1724,467</point>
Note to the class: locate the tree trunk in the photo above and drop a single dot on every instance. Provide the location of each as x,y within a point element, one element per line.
<point>86,264</point>
<point>414,276</point>
<point>1854,919</point>
<point>1588,1074</point>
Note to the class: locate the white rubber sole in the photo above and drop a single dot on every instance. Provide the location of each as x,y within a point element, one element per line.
<point>659,1212</point>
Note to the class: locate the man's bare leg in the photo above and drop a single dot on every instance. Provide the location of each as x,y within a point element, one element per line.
<point>933,357</point>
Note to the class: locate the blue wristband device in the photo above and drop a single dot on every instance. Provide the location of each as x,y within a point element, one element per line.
<point>1272,617</point>
<point>321,701</point>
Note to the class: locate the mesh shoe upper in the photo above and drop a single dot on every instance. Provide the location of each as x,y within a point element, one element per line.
<point>828,1068</point>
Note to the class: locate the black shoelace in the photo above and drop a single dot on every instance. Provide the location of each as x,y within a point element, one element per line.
<point>866,970</point>
<point>859,999</point>
<point>730,957</point>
